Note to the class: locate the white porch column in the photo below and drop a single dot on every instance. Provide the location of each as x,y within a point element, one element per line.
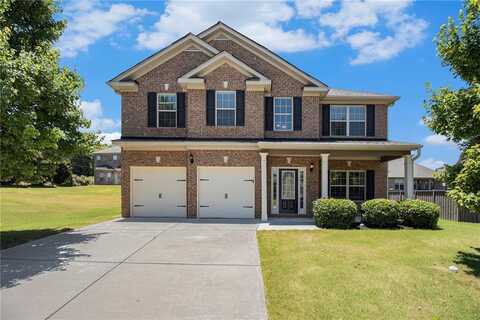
<point>263,167</point>
<point>325,175</point>
<point>408,179</point>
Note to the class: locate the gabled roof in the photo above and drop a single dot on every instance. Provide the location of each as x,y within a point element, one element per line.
<point>396,169</point>
<point>146,65</point>
<point>261,51</point>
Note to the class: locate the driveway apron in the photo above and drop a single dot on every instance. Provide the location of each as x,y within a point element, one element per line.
<point>137,269</point>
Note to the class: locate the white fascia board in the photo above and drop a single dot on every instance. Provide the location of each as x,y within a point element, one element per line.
<point>290,145</point>
<point>191,83</point>
<point>388,100</point>
<point>123,86</point>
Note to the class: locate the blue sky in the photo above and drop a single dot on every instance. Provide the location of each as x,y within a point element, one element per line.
<point>378,46</point>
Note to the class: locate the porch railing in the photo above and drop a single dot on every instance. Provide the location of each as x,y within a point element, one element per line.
<point>449,208</point>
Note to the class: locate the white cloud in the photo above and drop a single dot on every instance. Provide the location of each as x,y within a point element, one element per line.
<point>439,140</point>
<point>108,137</point>
<point>262,21</point>
<point>432,163</point>
<point>421,122</point>
<point>311,8</point>
<point>92,110</point>
<point>88,23</point>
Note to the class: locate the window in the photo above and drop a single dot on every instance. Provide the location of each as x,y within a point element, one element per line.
<point>167,110</point>
<point>288,185</point>
<point>398,184</point>
<point>225,108</point>
<point>99,157</point>
<point>282,114</point>
<point>274,189</point>
<point>115,157</point>
<point>301,180</point>
<point>347,121</point>
<point>347,185</point>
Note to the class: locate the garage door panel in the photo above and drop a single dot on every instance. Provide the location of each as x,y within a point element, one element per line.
<point>158,191</point>
<point>226,192</point>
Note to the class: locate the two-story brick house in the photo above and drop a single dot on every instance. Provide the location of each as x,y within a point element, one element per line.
<point>216,125</point>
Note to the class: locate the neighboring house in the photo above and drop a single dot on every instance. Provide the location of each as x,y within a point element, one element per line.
<point>217,126</point>
<point>108,165</point>
<point>422,177</point>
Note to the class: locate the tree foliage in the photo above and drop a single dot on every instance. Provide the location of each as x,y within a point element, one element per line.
<point>41,124</point>
<point>456,113</point>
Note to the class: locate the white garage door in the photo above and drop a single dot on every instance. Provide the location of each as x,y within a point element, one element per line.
<point>158,191</point>
<point>226,192</point>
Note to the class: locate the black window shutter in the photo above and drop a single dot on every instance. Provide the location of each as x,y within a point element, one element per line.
<point>297,113</point>
<point>240,108</point>
<point>210,107</point>
<point>370,184</point>
<point>269,113</point>
<point>326,120</point>
<point>371,120</point>
<point>152,109</point>
<point>181,110</point>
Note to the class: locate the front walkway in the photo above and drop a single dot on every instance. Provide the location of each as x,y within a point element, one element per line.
<point>137,269</point>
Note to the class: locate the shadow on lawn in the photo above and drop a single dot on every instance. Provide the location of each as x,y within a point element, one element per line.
<point>471,260</point>
<point>24,262</point>
<point>14,238</point>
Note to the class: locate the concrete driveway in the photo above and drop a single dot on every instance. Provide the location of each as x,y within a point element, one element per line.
<point>137,269</point>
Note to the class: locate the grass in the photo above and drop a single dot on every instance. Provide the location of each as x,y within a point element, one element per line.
<point>372,274</point>
<point>32,213</point>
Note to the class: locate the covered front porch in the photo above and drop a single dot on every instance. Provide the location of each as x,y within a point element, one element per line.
<point>294,174</point>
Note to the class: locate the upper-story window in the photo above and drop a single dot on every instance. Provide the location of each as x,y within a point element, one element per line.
<point>167,110</point>
<point>282,114</point>
<point>347,121</point>
<point>225,108</point>
<point>115,157</point>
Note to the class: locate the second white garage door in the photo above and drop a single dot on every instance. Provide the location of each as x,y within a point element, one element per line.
<point>158,191</point>
<point>226,192</point>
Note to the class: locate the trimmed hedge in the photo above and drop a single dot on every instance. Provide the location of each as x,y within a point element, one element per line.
<point>334,213</point>
<point>380,213</point>
<point>419,214</point>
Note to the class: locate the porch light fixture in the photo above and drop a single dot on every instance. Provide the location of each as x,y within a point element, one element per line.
<point>225,159</point>
<point>157,159</point>
<point>311,166</point>
<point>165,86</point>
<point>191,158</point>
<point>225,84</point>
<point>289,160</point>
<point>349,163</point>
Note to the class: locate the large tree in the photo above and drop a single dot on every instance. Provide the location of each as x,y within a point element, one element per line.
<point>41,123</point>
<point>456,113</point>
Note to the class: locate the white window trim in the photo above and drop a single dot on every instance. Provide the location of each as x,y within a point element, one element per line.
<point>282,113</point>
<point>348,120</point>
<point>230,109</point>
<point>274,209</point>
<point>115,157</point>
<point>347,185</point>
<point>158,108</point>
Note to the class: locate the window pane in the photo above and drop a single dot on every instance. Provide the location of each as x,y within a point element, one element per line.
<point>225,117</point>
<point>338,113</point>
<point>167,119</point>
<point>283,105</point>
<point>356,193</point>
<point>302,192</point>
<point>167,102</point>
<point>338,178</point>
<point>357,113</point>
<point>288,185</point>
<point>274,190</point>
<point>357,128</point>
<point>226,100</point>
<point>356,178</point>
<point>338,128</point>
<point>338,192</point>
<point>283,122</point>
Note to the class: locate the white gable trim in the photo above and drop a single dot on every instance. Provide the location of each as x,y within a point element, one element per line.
<point>260,51</point>
<point>165,54</point>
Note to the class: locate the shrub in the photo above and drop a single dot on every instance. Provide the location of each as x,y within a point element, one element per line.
<point>334,213</point>
<point>380,213</point>
<point>81,180</point>
<point>419,214</point>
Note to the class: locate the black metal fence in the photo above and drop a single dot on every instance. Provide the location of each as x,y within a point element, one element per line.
<point>449,209</point>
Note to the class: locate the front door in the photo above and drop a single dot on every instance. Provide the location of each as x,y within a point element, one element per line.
<point>288,190</point>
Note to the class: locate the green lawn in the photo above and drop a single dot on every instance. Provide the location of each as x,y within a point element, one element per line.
<point>372,274</point>
<point>31,213</point>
